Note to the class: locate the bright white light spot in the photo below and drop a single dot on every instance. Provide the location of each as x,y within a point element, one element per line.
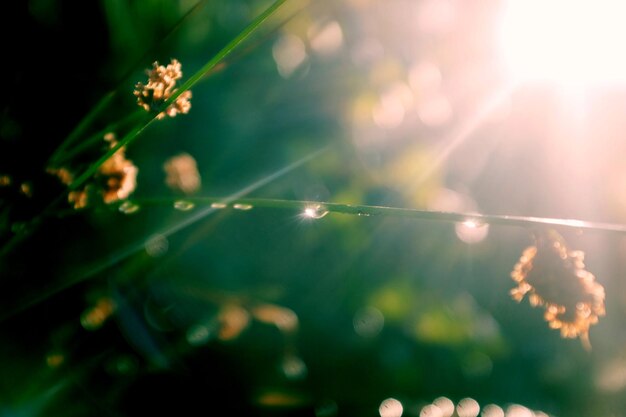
<point>388,112</point>
<point>571,42</point>
<point>434,110</point>
<point>468,407</point>
<point>431,411</point>
<point>326,39</point>
<point>315,211</point>
<point>517,410</point>
<point>289,53</point>
<point>436,16</point>
<point>471,231</point>
<point>446,406</point>
<point>425,77</point>
<point>390,408</point>
<point>492,410</point>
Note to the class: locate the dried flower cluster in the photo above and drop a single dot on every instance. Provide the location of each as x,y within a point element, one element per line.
<point>160,87</point>
<point>115,180</point>
<point>94,317</point>
<point>119,174</point>
<point>182,173</point>
<point>555,278</point>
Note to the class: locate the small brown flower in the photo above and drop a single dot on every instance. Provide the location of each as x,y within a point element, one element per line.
<point>63,174</point>
<point>117,178</point>
<point>78,198</point>
<point>26,189</point>
<point>120,176</point>
<point>160,87</point>
<point>182,173</point>
<point>555,278</point>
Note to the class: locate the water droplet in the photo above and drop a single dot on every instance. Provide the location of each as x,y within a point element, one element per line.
<point>293,367</point>
<point>157,246</point>
<point>183,205</point>
<point>446,406</point>
<point>390,408</point>
<point>468,407</point>
<point>492,410</point>
<point>516,410</point>
<point>242,206</point>
<point>315,211</point>
<point>128,207</point>
<point>198,334</point>
<point>431,410</point>
<point>368,322</point>
<point>472,230</point>
<point>219,205</point>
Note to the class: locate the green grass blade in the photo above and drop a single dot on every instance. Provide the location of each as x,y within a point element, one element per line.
<point>230,47</point>
<point>82,127</point>
<point>151,117</point>
<point>366,210</point>
<point>103,104</point>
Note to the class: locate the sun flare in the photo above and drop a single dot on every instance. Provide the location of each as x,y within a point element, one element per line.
<point>576,43</point>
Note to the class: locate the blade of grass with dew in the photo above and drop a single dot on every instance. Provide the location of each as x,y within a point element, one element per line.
<point>151,117</point>
<point>366,210</point>
<point>118,256</point>
<point>143,124</point>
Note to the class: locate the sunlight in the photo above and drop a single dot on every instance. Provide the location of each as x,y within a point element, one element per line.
<point>573,43</point>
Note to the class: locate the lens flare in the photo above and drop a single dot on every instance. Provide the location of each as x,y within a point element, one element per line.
<point>572,43</point>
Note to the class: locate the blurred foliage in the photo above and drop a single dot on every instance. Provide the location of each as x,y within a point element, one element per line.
<point>265,311</point>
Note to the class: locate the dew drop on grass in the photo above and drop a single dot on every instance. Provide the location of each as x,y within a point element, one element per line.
<point>293,367</point>
<point>315,211</point>
<point>219,205</point>
<point>390,408</point>
<point>157,245</point>
<point>183,205</point>
<point>198,334</point>
<point>431,410</point>
<point>242,206</point>
<point>446,406</point>
<point>128,207</point>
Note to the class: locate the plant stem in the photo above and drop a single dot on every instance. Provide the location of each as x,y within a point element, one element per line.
<point>243,35</point>
<point>82,127</point>
<point>97,137</point>
<point>366,210</point>
<point>151,117</point>
<point>87,121</point>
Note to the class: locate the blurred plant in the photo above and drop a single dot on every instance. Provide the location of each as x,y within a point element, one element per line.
<point>552,276</point>
<point>555,278</point>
